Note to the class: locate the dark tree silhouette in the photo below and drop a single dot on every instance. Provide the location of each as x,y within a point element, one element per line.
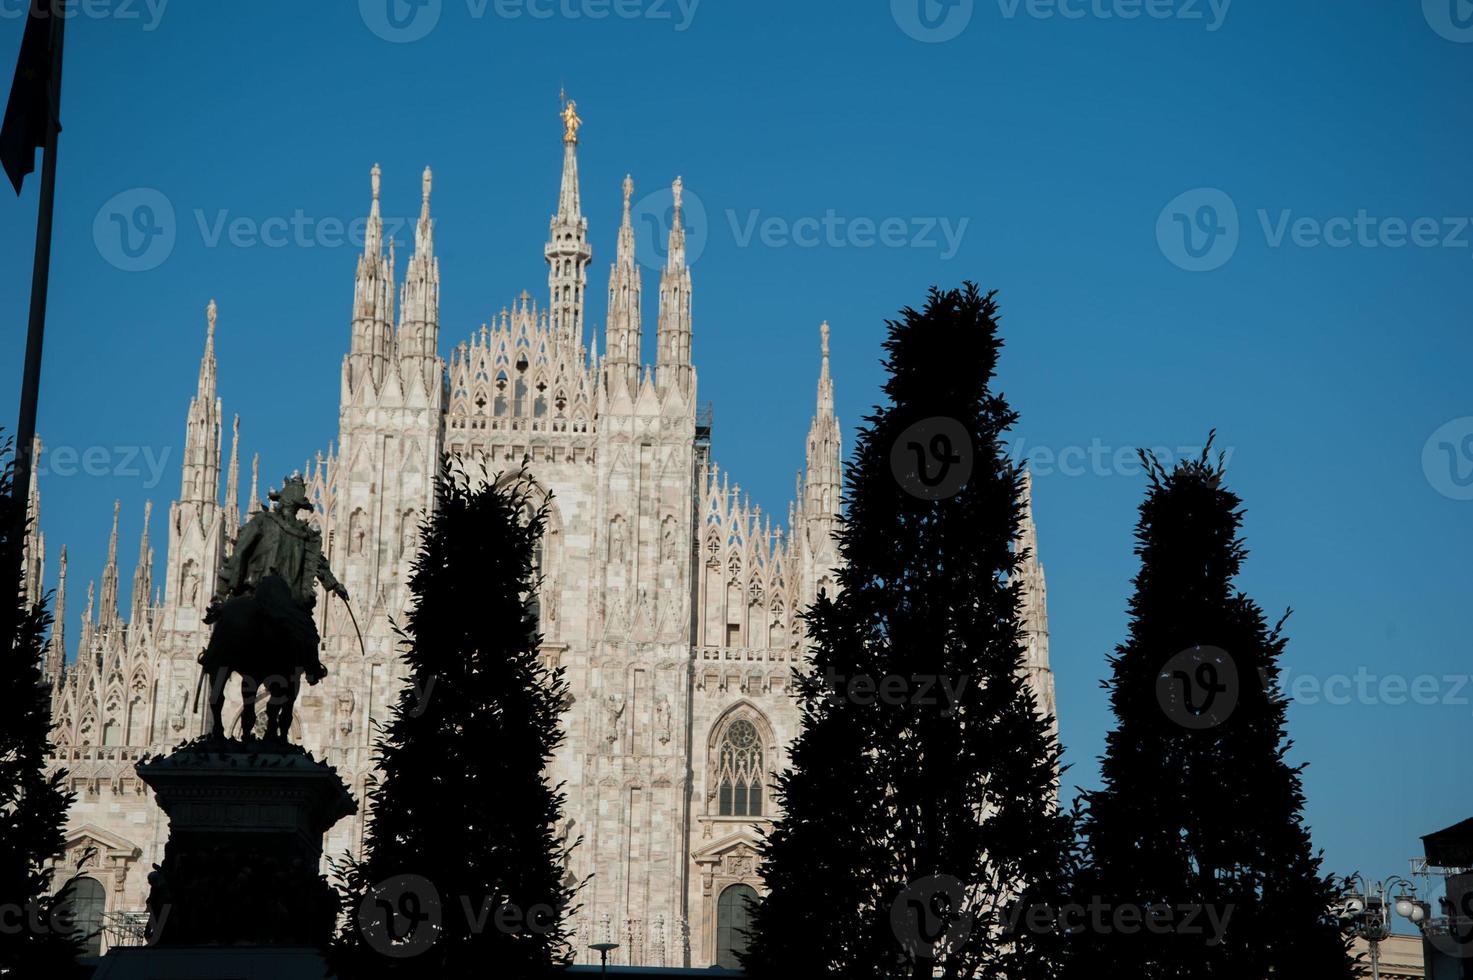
<point>1198,806</point>
<point>463,871</point>
<point>921,799</point>
<point>33,804</point>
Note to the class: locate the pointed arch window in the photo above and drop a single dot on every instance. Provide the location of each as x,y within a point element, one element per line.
<point>739,771</point>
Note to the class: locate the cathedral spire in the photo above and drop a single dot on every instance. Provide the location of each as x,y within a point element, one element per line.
<point>143,574</point>
<point>1033,604</point>
<point>419,297</point>
<point>201,480</point>
<point>823,479</point>
<point>373,236</point>
<point>674,332</point>
<point>85,649</point>
<point>108,616</point>
<point>255,503</point>
<point>625,290</point>
<point>56,643</point>
<point>373,299</point>
<point>232,483</point>
<point>34,545</point>
<point>825,382</point>
<point>568,252</point>
<point>207,367</point>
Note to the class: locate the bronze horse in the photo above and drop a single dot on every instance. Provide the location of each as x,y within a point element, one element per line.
<point>266,638</point>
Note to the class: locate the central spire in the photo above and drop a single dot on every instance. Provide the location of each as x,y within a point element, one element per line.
<point>568,252</point>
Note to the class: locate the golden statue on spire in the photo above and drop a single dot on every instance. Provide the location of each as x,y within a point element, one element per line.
<point>571,122</point>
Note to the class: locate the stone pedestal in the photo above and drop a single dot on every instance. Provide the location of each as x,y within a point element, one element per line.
<point>240,881</point>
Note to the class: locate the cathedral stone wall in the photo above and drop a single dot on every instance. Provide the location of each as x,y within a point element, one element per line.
<point>670,600</point>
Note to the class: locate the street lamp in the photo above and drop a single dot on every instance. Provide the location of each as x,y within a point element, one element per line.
<point>1366,908</point>
<point>603,953</point>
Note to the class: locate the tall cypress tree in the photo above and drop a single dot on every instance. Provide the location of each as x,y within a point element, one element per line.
<point>462,870</point>
<point>1199,809</point>
<point>921,799</point>
<point>33,804</point>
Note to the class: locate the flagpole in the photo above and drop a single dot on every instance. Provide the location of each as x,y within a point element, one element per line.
<point>25,434</point>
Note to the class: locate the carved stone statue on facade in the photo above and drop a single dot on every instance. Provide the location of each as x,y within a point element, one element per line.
<point>662,718</point>
<point>345,705</point>
<point>616,541</point>
<point>614,712</point>
<point>263,614</point>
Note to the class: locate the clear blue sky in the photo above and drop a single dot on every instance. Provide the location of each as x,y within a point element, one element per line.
<point>1062,143</point>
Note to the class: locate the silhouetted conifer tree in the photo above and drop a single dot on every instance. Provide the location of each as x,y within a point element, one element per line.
<point>463,873</point>
<point>1200,814</point>
<point>921,800</point>
<point>37,942</point>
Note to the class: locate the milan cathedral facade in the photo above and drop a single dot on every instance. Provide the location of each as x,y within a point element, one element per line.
<point>670,600</point>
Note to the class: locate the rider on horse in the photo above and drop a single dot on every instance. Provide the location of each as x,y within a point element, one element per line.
<point>279,543</point>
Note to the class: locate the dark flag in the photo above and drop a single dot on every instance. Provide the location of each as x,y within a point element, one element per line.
<point>28,112</point>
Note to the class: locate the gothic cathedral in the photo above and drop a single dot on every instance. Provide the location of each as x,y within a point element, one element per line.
<point>672,602</point>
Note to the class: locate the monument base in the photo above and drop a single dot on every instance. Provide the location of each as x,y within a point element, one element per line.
<point>241,867</point>
<point>212,963</point>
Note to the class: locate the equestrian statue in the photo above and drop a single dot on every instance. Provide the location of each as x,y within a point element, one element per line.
<point>262,614</point>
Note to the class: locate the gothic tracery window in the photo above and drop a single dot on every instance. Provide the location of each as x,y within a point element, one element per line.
<point>739,771</point>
